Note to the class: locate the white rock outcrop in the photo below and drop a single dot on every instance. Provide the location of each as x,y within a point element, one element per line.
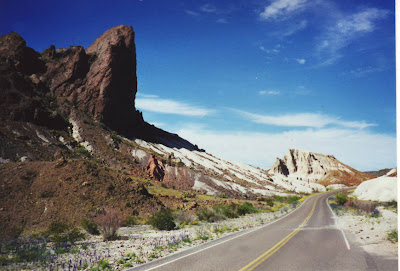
<point>307,166</point>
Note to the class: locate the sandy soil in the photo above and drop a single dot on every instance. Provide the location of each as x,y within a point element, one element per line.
<point>371,232</point>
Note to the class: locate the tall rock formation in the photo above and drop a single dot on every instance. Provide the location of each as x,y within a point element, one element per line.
<point>100,80</point>
<point>316,167</point>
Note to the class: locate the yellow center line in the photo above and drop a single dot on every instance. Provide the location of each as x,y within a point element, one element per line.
<point>280,244</point>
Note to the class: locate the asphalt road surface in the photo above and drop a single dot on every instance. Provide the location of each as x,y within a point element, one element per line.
<point>306,239</point>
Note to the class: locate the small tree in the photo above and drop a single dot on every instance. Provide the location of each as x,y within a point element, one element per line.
<point>109,222</point>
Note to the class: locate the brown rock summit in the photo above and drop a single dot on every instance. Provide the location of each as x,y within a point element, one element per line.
<point>100,81</point>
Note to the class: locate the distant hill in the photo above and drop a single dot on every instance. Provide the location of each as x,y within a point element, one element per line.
<point>378,173</point>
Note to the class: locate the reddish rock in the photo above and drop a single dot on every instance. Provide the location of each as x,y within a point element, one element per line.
<point>155,168</point>
<point>100,81</point>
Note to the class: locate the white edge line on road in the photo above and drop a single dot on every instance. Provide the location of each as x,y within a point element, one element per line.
<point>334,218</point>
<point>219,243</point>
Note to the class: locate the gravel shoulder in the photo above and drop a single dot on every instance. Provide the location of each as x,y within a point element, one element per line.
<point>371,233</point>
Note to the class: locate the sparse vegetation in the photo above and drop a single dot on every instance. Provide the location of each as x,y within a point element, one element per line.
<point>183,218</point>
<point>393,236</point>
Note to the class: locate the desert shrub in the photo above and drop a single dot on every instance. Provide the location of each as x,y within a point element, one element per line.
<point>247,208</point>
<point>62,234</point>
<point>129,221</point>
<point>293,199</point>
<point>340,198</point>
<point>362,205</point>
<point>90,226</point>
<point>163,220</point>
<point>109,222</point>
<point>229,211</point>
<point>209,215</point>
<point>182,218</point>
<point>269,201</point>
<point>392,236</point>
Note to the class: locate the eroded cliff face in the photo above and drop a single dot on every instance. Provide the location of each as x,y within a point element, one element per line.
<point>100,81</point>
<point>316,167</point>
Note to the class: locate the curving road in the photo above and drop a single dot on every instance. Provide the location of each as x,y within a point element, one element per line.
<point>306,239</point>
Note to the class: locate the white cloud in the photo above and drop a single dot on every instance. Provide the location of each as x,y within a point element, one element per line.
<point>166,106</point>
<point>360,149</point>
<point>270,92</point>
<point>279,9</point>
<point>222,21</point>
<point>301,61</point>
<point>303,120</point>
<point>146,95</point>
<point>345,30</point>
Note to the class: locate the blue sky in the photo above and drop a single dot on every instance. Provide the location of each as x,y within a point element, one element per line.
<point>246,80</point>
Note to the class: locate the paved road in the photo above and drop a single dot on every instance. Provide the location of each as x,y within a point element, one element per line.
<point>306,239</point>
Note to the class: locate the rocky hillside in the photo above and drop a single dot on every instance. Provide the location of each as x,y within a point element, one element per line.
<point>72,142</point>
<point>317,168</point>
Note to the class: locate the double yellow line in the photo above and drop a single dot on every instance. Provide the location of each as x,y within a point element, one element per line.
<point>275,248</point>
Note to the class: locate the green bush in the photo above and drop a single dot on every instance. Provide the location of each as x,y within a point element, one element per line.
<point>209,215</point>
<point>61,233</point>
<point>247,208</point>
<point>393,236</point>
<point>129,221</point>
<point>163,220</point>
<point>340,198</point>
<point>90,226</point>
<point>228,211</point>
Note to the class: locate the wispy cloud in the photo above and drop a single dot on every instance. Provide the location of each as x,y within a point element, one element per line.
<point>261,149</point>
<point>270,92</point>
<point>208,8</point>
<point>280,9</point>
<point>270,51</point>
<point>313,120</point>
<point>192,13</point>
<point>345,30</point>
<point>167,106</point>
<point>301,61</point>
<point>294,28</point>
<point>143,95</point>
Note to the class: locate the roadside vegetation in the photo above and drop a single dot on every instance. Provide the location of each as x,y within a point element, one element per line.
<point>65,247</point>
